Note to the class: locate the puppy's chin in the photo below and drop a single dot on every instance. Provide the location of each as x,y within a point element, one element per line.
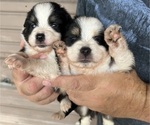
<point>84,63</point>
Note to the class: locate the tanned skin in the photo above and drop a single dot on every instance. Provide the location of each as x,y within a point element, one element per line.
<point>125,92</point>
<point>131,94</point>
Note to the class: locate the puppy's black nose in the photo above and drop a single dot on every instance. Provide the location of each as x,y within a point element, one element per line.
<point>85,51</point>
<point>40,37</point>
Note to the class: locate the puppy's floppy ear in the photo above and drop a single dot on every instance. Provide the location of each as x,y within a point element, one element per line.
<point>28,17</point>
<point>64,16</point>
<point>63,12</point>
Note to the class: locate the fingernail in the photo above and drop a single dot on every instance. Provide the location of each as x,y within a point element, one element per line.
<point>46,83</point>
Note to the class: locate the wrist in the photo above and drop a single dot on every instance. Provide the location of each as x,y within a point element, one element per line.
<point>141,101</point>
<point>145,113</point>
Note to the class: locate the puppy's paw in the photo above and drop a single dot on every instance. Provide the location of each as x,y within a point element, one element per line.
<point>15,61</point>
<point>58,115</point>
<point>112,35</point>
<point>60,48</point>
<point>65,105</point>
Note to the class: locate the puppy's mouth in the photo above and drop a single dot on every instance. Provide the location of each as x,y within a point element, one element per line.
<point>85,60</point>
<point>42,45</point>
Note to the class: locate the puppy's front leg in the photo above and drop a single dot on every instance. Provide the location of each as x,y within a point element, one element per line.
<point>66,107</point>
<point>16,60</point>
<point>60,49</point>
<point>44,68</point>
<point>118,49</point>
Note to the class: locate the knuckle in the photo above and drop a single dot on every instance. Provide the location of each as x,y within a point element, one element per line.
<point>32,88</point>
<point>42,95</point>
<point>46,92</point>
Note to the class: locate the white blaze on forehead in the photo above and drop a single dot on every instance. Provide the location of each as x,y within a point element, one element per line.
<point>43,12</point>
<point>89,27</point>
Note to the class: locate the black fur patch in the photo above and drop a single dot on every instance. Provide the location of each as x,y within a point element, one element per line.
<point>100,39</point>
<point>71,37</point>
<point>30,23</point>
<point>59,19</point>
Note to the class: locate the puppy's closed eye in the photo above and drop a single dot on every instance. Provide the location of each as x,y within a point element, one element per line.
<point>71,39</point>
<point>55,25</point>
<point>100,40</point>
<point>29,23</point>
<point>97,38</point>
<point>33,25</point>
<point>74,38</point>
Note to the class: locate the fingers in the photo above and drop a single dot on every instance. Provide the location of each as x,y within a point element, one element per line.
<point>48,100</point>
<point>34,91</point>
<point>44,96</point>
<point>31,86</point>
<point>25,83</point>
<point>65,82</point>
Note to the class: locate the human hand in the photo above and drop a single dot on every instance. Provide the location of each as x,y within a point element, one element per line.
<point>33,88</point>
<point>115,94</point>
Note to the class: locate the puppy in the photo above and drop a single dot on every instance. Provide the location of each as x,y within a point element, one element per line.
<point>44,25</point>
<point>91,50</point>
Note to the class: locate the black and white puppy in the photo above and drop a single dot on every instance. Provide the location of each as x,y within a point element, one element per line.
<point>93,50</point>
<point>45,24</point>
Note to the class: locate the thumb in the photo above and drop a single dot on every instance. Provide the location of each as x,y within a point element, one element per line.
<point>67,82</point>
<point>76,82</point>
